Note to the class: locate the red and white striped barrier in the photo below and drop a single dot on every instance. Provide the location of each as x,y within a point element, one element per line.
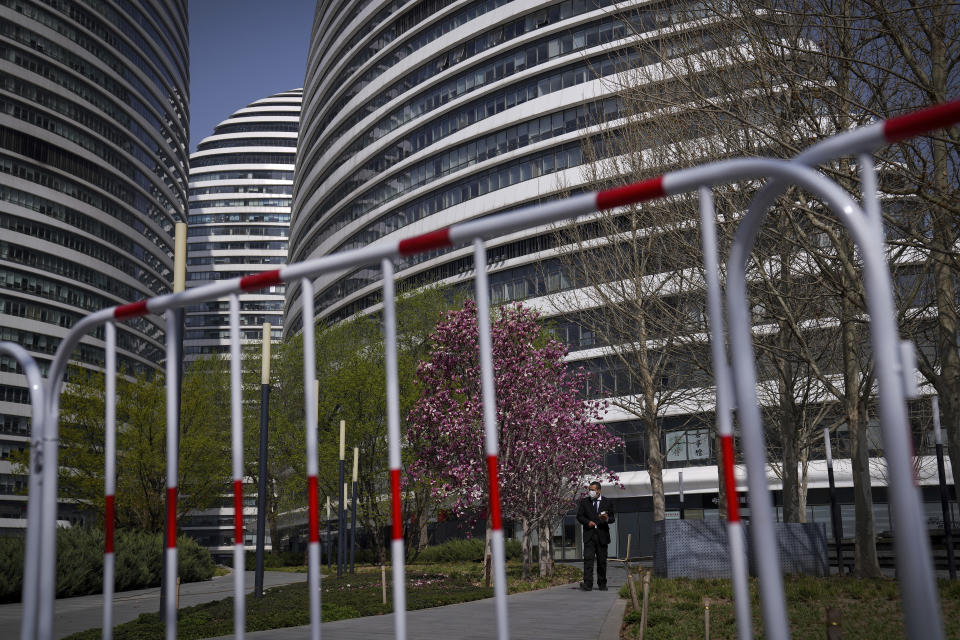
<point>895,374</point>
<point>393,439</point>
<point>236,451</point>
<point>109,473</point>
<point>724,412</point>
<point>310,393</point>
<point>921,623</point>
<point>173,441</point>
<point>38,578</point>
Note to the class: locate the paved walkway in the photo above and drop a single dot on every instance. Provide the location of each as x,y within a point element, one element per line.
<point>86,612</point>
<point>560,612</point>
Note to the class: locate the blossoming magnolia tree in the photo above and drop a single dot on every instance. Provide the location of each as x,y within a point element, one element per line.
<point>551,442</point>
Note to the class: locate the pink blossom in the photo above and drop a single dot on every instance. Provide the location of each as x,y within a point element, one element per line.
<point>550,440</point>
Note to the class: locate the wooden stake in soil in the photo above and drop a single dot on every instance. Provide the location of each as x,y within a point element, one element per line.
<point>178,592</point>
<point>646,599</point>
<point>633,592</point>
<point>834,631</point>
<point>706,618</point>
<point>383,582</point>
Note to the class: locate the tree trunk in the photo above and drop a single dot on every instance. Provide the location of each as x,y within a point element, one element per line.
<point>545,540</point>
<point>866,563</point>
<point>274,531</point>
<point>526,547</point>
<point>655,466</point>
<point>791,461</point>
<point>802,496</point>
<point>948,326</point>
<point>423,534</point>
<point>944,243</point>
<point>487,557</point>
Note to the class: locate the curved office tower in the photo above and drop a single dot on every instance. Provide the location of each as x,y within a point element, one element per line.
<point>93,177</point>
<point>419,115</point>
<point>241,178</point>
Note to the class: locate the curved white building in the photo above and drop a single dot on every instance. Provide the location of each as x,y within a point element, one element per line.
<point>241,180</point>
<point>93,177</point>
<point>420,115</point>
<point>416,117</point>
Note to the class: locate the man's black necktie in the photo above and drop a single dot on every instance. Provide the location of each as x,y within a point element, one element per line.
<point>596,506</point>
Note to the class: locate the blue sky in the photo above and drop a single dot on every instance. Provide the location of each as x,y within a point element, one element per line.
<point>243,50</point>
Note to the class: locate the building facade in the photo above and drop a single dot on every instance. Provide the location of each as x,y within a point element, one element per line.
<point>420,115</point>
<point>241,181</point>
<point>93,177</point>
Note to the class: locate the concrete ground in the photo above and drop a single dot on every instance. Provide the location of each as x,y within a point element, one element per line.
<point>560,612</point>
<point>86,612</point>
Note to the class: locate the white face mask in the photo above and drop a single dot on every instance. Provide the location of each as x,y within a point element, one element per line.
<point>593,494</point>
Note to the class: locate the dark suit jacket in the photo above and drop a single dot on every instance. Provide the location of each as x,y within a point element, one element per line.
<point>586,514</point>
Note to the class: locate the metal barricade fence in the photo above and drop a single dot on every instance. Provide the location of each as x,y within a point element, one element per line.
<point>914,562</point>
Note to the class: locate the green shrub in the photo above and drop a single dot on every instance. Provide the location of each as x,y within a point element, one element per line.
<point>194,563</point>
<point>276,559</point>
<point>79,571</point>
<point>453,551</point>
<point>364,556</point>
<point>465,551</point>
<point>11,568</point>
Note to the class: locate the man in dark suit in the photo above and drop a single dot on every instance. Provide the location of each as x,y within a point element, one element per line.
<point>595,513</point>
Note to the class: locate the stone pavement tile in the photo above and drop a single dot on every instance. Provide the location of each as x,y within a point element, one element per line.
<point>560,612</point>
<point>71,615</point>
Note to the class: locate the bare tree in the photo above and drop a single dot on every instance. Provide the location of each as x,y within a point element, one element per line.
<point>698,89</point>
<point>738,77</point>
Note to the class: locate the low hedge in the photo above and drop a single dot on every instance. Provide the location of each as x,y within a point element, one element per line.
<point>276,559</point>
<point>465,551</point>
<point>80,562</point>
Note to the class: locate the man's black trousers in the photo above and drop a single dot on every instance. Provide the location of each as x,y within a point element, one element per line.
<point>594,550</point>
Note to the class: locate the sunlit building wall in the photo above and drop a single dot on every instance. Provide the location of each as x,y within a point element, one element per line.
<point>241,180</point>
<point>93,177</point>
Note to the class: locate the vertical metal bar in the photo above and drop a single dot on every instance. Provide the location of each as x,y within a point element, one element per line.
<point>109,474</point>
<point>762,518</point>
<point>869,199</point>
<point>721,374</point>
<point>31,565</point>
<point>834,506</point>
<point>329,541</point>
<point>173,429</point>
<point>918,589</point>
<point>236,449</point>
<point>310,409</point>
<point>341,518</point>
<point>393,438</point>
<point>944,491</point>
<point>48,533</point>
<point>174,336</point>
<point>262,462</point>
<point>353,524</point>
<point>680,486</point>
<point>35,508</point>
<point>490,435</point>
<point>353,507</point>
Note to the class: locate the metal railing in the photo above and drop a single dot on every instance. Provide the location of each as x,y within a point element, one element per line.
<point>918,588</point>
